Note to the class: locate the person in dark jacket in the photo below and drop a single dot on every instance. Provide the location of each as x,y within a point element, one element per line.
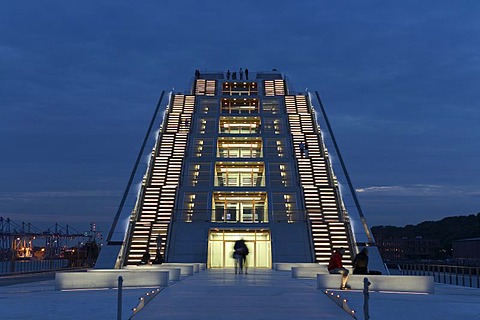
<point>240,255</point>
<point>145,258</point>
<point>360,263</point>
<point>158,257</point>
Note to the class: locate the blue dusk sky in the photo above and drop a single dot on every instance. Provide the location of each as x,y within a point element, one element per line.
<point>79,82</point>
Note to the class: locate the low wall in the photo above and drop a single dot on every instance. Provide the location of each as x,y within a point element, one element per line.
<point>421,284</point>
<point>173,273</point>
<point>308,272</point>
<point>195,267</point>
<point>108,278</point>
<point>287,266</point>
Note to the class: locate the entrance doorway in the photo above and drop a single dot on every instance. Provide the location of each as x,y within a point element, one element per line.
<point>221,242</point>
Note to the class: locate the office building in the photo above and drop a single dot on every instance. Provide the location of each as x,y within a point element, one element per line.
<point>239,156</point>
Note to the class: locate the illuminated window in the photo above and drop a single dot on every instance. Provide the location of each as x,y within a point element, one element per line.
<point>280,148</point>
<point>240,207</point>
<point>199,174</point>
<point>239,174</point>
<point>190,207</point>
<point>239,106</point>
<point>285,207</point>
<point>194,205</point>
<point>274,87</point>
<point>205,87</point>
<point>240,88</point>
<point>209,106</point>
<point>203,126</point>
<point>240,125</point>
<point>271,106</point>
<point>239,147</point>
<point>280,174</point>
<point>198,148</point>
<point>273,125</point>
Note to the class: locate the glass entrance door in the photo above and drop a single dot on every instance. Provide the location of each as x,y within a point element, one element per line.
<point>221,242</point>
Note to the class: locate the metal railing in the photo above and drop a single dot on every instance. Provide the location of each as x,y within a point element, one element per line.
<point>9,267</point>
<point>448,274</point>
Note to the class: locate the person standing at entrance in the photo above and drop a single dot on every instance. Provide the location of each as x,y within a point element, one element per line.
<point>240,255</point>
<point>335,266</point>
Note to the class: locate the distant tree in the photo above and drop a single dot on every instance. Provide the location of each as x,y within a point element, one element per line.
<point>446,230</point>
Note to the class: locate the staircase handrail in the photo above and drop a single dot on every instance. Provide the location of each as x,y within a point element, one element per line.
<point>134,171</point>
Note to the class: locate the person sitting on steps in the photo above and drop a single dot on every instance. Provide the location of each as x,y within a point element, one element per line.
<point>145,258</point>
<point>335,266</point>
<point>360,263</point>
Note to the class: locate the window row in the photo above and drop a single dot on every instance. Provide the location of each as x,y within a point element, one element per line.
<point>245,106</point>
<point>240,125</point>
<point>238,174</point>
<point>239,147</point>
<point>241,207</point>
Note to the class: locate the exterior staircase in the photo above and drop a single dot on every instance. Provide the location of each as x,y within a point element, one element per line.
<point>322,199</point>
<point>150,230</point>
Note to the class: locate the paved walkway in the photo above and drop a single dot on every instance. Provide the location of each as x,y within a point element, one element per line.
<point>220,294</point>
<point>261,294</point>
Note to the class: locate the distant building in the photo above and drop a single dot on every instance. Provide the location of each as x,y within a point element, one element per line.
<point>238,159</point>
<point>403,249</point>
<point>466,249</point>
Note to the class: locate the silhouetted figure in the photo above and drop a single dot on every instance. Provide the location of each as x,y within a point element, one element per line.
<point>246,73</point>
<point>234,75</point>
<point>360,263</point>
<point>301,146</point>
<point>241,74</point>
<point>158,257</point>
<point>197,74</point>
<point>145,258</point>
<point>240,255</point>
<point>335,266</point>
<point>187,123</point>
<point>306,149</point>
<point>228,74</point>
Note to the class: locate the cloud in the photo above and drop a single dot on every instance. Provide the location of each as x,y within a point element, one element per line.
<point>419,190</point>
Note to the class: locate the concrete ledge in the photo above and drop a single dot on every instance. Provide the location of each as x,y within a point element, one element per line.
<point>173,272</point>
<point>108,278</point>
<point>309,272</point>
<point>421,284</point>
<point>196,266</point>
<point>287,266</point>
<point>187,269</point>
